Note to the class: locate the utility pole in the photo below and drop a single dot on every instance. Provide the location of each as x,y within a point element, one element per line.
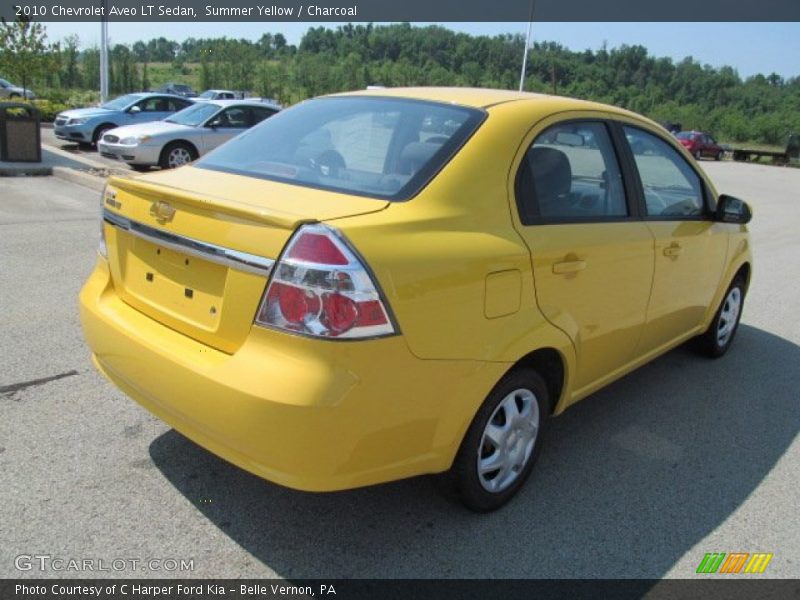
<point>103,54</point>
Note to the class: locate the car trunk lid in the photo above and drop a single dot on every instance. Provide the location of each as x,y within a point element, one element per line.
<point>192,248</point>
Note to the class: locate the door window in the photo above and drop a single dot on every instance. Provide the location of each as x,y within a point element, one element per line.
<point>571,174</point>
<point>156,104</point>
<point>671,187</point>
<point>259,114</point>
<point>233,118</point>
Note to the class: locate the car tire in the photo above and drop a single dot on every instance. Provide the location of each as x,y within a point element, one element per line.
<point>101,131</point>
<point>176,155</point>
<point>698,155</point>
<point>12,96</point>
<point>509,426</point>
<point>718,338</point>
<point>718,155</point>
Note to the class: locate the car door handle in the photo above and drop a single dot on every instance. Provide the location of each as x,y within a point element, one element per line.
<point>673,250</point>
<point>569,266</point>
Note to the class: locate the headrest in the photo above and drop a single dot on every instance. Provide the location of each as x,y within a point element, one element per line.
<point>552,174</point>
<point>416,154</point>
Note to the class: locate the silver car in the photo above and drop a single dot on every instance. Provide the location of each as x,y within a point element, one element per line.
<point>9,90</point>
<point>184,136</point>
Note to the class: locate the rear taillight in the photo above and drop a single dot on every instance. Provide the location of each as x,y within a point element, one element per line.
<point>319,287</point>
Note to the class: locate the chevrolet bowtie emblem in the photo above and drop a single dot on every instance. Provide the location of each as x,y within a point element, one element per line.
<point>162,211</point>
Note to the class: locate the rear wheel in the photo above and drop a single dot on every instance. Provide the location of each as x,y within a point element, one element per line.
<point>176,155</point>
<point>719,335</point>
<point>502,444</point>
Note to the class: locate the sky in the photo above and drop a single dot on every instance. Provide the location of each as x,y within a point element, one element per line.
<point>750,48</point>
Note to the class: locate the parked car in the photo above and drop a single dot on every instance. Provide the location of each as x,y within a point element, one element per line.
<point>87,126</point>
<point>9,90</point>
<point>336,299</point>
<point>219,95</point>
<point>184,136</point>
<point>179,89</point>
<point>701,145</point>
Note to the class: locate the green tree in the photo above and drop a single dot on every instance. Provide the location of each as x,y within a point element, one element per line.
<point>71,76</point>
<point>145,78</point>
<point>23,50</point>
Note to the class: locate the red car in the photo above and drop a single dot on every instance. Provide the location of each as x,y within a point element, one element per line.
<point>700,144</point>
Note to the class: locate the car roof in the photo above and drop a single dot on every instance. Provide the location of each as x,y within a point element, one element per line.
<point>148,94</point>
<point>486,98</point>
<point>226,102</point>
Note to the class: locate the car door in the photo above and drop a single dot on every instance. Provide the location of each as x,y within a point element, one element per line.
<point>226,124</point>
<point>690,247</point>
<point>708,146</point>
<point>592,256</point>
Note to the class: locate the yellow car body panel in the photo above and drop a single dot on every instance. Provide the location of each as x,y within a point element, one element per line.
<point>473,291</point>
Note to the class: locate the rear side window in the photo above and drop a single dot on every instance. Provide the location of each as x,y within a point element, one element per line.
<point>259,114</point>
<point>571,174</point>
<point>671,187</point>
<point>382,147</point>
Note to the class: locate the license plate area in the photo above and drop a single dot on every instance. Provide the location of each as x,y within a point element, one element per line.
<point>185,287</point>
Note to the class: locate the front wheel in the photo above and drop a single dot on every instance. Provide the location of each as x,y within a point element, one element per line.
<point>502,444</point>
<point>176,155</point>
<point>101,131</point>
<point>719,335</point>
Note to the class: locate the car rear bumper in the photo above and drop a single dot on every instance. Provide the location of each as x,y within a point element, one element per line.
<point>308,414</point>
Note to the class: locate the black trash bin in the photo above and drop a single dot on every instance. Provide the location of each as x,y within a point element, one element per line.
<point>20,137</point>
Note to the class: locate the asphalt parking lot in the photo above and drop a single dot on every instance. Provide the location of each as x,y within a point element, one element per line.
<point>88,154</point>
<point>683,457</point>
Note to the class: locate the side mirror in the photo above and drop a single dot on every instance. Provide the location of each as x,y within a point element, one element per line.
<point>732,210</point>
<point>214,124</point>
<point>135,110</point>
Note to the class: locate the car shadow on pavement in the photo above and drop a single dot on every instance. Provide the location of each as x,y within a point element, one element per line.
<point>629,481</point>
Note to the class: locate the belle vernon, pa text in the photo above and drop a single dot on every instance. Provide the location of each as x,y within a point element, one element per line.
<point>175,591</point>
<point>164,10</point>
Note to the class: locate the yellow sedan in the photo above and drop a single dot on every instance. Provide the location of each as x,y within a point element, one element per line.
<point>382,284</point>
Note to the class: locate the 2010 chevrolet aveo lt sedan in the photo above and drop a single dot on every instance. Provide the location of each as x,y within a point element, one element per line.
<point>383,284</point>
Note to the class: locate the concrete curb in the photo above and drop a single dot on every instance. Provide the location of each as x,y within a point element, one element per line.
<point>85,179</point>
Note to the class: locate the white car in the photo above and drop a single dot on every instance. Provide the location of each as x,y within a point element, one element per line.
<point>218,95</point>
<point>184,136</point>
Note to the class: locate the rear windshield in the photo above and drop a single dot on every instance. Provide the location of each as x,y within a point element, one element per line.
<point>195,115</point>
<point>121,102</point>
<point>383,147</point>
<point>686,135</point>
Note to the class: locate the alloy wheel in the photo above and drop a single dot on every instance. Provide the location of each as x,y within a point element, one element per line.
<point>729,315</point>
<point>508,440</point>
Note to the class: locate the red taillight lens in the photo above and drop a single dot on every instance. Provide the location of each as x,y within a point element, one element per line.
<point>313,247</point>
<point>340,312</point>
<point>320,288</point>
<point>294,303</point>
